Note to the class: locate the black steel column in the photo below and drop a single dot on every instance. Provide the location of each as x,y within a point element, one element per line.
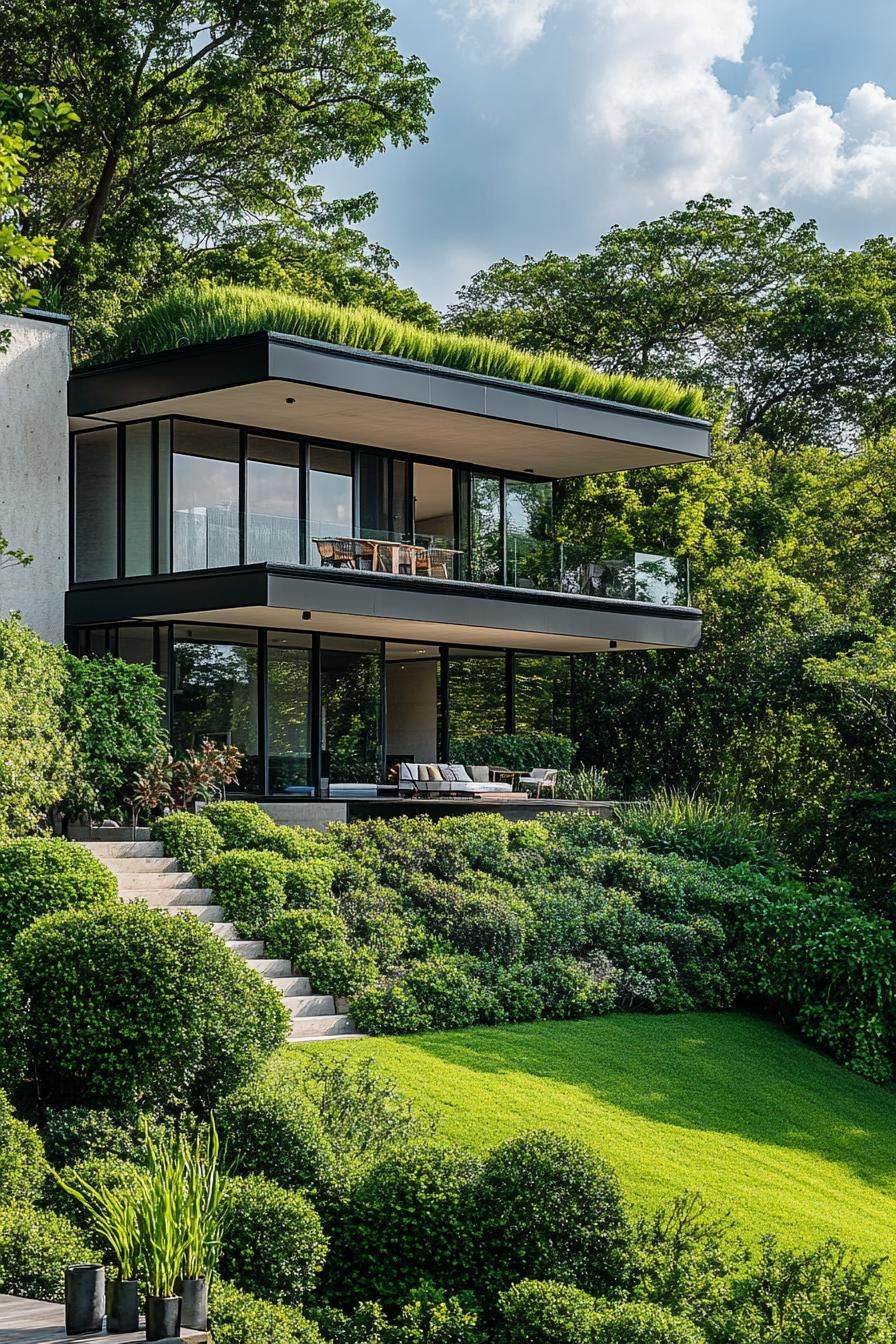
<point>444,707</point>
<point>262,675</point>
<point>510,691</point>
<point>315,713</point>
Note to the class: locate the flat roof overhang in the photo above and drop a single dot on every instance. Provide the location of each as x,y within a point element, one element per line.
<point>385,606</point>
<point>317,390</point>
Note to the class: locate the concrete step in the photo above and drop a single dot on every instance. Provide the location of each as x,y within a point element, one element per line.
<point>249,948</point>
<point>290,986</point>
<point>206,914</point>
<point>137,864</point>
<point>312,1028</point>
<point>167,896</point>
<point>125,849</point>
<point>310,1005</point>
<point>272,968</point>
<point>150,879</point>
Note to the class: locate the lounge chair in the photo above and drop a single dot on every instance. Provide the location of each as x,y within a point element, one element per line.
<point>540,780</point>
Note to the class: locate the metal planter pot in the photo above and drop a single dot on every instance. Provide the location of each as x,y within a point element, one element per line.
<point>84,1299</point>
<point>122,1307</point>
<point>195,1309</point>
<point>162,1317</point>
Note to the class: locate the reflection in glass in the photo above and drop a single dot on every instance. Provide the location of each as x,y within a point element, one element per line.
<point>215,693</point>
<point>206,496</point>
<point>138,499</point>
<point>477,695</point>
<point>542,694</point>
<point>529,513</point>
<point>164,451</point>
<point>330,503</point>
<point>485,529</point>
<point>351,710</point>
<point>135,643</point>
<point>383,497</point>
<point>273,501</point>
<point>96,505</point>
<point>289,713</point>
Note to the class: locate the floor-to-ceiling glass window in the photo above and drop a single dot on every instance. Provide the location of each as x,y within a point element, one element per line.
<point>485,540</point>
<point>289,713</point>
<point>330,499</point>
<point>383,497</point>
<point>96,505</point>
<point>138,498</point>
<point>542,694</point>
<point>351,676</point>
<point>206,495</point>
<point>215,693</point>
<point>529,514</point>
<point>273,500</point>
<point>477,694</point>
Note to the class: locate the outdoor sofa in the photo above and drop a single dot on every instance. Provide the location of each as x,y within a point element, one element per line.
<point>425,778</point>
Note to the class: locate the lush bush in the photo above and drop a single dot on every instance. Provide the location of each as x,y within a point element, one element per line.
<point>549,1208</point>
<point>36,751</point>
<point>516,751</point>
<point>299,843</point>
<point>431,995</point>
<point>406,1220</point>
<point>537,1311</point>
<point>863,827</point>
<point>130,1005</point>
<point>236,1317</point>
<point>119,725</point>
<point>486,926</point>
<point>36,1245</point>
<point>318,946</point>
<point>273,1244</point>
<point>272,1129</point>
<point>309,884</point>
<point>570,989</point>
<point>241,825</point>
<point>832,965</point>
<point>73,1133</point>
<point>188,837</point>
<point>643,1323</point>
<point>103,1170</point>
<point>249,884</point>
<point>38,876</point>
<point>12,1027</point>
<point>700,828</point>
<point>23,1167</point>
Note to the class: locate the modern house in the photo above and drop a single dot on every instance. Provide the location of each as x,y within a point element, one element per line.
<point>338,560</point>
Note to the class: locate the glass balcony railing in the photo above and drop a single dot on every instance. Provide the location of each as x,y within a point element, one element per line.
<point>638,576</point>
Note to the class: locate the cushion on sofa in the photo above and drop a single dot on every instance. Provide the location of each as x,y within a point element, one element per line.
<point>408,770</point>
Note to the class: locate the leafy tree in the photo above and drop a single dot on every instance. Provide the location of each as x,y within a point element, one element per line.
<point>36,757</point>
<point>198,119</point>
<point>10,556</point>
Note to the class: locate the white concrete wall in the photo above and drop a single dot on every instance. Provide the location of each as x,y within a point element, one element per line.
<point>412,712</point>
<point>34,471</point>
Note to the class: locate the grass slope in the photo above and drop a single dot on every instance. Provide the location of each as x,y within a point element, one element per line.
<point>724,1103</point>
<point>187,315</point>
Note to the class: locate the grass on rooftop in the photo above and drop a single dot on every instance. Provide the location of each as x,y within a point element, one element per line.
<point>728,1104</point>
<point>187,315</point>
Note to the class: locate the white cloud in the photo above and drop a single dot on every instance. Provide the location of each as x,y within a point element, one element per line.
<point>501,27</point>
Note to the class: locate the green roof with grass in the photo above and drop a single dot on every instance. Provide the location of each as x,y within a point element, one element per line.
<point>192,315</point>
<point>724,1103</point>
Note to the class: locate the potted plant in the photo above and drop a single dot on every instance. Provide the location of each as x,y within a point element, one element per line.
<point>203,1205</point>
<point>114,1215</point>
<point>84,1298</point>
<point>161,1223</point>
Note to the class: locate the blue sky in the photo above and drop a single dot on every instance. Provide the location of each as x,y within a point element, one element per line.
<point>557,118</point>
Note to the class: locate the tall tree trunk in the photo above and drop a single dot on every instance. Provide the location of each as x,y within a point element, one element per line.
<point>97,207</point>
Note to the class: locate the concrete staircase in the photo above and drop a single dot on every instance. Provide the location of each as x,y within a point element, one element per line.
<point>145,874</point>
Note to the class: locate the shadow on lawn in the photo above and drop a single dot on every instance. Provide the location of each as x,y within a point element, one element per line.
<point>689,1071</point>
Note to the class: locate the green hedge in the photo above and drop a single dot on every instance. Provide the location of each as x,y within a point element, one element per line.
<point>36,1245</point>
<point>271,1130</point>
<point>536,1311</point>
<point>241,825</point>
<point>516,751</point>
<point>318,946</point>
<point>250,885</point>
<point>236,1317</point>
<point>131,1006</point>
<point>188,837</point>
<point>23,1167</point>
<point>38,876</point>
<point>273,1244</point>
<point>36,746</point>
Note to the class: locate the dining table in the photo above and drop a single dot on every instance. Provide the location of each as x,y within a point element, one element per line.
<point>372,553</point>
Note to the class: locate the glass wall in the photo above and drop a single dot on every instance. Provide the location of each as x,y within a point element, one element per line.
<point>486,543</point>
<point>273,500</point>
<point>529,513</point>
<point>289,714</point>
<point>477,693</point>
<point>206,496</point>
<point>330,498</point>
<point>215,693</point>
<point>383,497</point>
<point>96,505</point>
<point>351,713</point>
<point>542,698</point>
<point>138,499</point>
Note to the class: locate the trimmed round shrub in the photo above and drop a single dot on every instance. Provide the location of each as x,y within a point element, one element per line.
<point>537,1311</point>
<point>643,1323</point>
<point>272,1129</point>
<point>241,825</point>
<point>273,1244</point>
<point>318,946</point>
<point>132,1005</point>
<point>406,1220</point>
<point>35,1247</point>
<point>309,885</point>
<point>480,840</point>
<point>23,1167</point>
<point>188,837</point>
<point>298,843</point>
<point>388,1010</point>
<point>435,995</point>
<point>486,926</point>
<point>236,1317</point>
<point>547,1207</point>
<point>12,1027</point>
<point>579,833</point>
<point>569,990</point>
<point>250,884</point>
<point>38,876</point>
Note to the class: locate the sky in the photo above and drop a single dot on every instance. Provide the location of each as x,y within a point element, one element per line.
<point>556,119</point>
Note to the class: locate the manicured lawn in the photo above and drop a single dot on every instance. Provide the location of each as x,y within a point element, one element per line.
<point>725,1103</point>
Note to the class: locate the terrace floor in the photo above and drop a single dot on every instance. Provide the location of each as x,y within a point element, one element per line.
<point>23,1320</point>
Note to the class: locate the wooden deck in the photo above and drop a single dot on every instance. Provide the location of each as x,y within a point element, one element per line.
<point>25,1321</point>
